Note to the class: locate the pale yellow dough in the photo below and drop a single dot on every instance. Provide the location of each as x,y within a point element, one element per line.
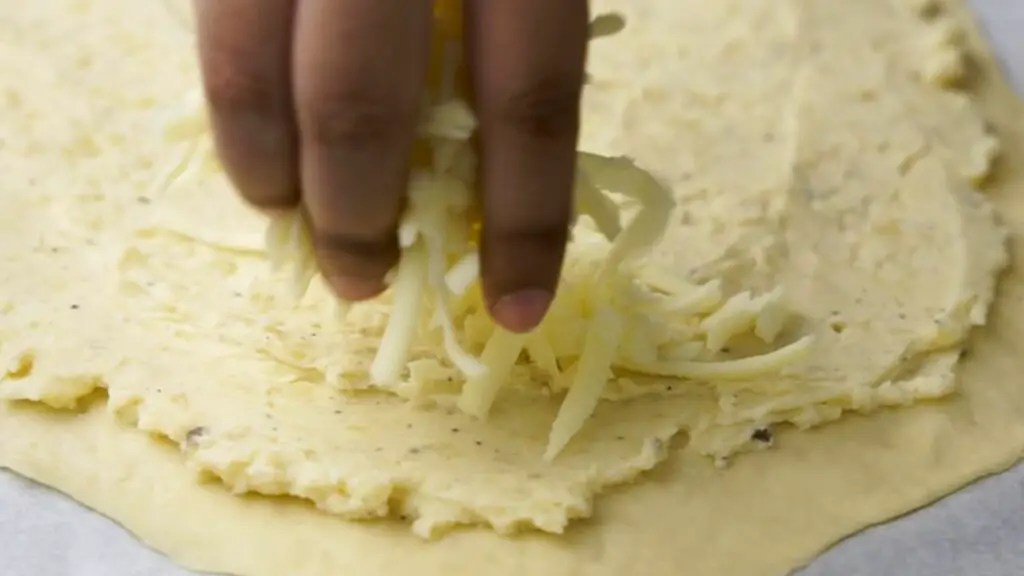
<point>775,121</point>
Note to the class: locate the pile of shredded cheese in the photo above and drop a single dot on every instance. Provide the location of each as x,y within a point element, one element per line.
<point>615,312</point>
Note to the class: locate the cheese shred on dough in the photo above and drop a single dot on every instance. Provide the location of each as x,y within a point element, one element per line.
<point>612,319</point>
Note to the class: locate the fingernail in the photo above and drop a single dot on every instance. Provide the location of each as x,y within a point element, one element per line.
<point>356,289</point>
<point>522,311</point>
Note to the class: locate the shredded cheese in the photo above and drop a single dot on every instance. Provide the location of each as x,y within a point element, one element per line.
<point>500,355</point>
<point>398,338</point>
<point>616,310</point>
<point>592,373</point>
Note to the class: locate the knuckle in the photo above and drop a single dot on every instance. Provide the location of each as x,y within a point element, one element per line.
<point>544,233</point>
<point>353,115</point>
<point>356,255</point>
<point>360,246</point>
<point>234,87</point>
<point>545,107</point>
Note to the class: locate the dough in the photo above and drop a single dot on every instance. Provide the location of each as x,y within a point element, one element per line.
<point>782,505</point>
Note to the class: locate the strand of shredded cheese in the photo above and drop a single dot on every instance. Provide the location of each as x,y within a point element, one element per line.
<point>738,369</point>
<point>592,373</point>
<point>499,355</point>
<point>400,332</point>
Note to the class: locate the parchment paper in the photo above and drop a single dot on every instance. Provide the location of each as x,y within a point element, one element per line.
<point>978,531</point>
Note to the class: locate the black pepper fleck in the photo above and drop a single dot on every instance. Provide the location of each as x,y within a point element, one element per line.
<point>74,306</point>
<point>479,443</point>
<point>455,430</point>
<point>762,435</point>
<point>620,437</point>
<point>195,433</point>
<point>414,450</point>
<point>837,326</point>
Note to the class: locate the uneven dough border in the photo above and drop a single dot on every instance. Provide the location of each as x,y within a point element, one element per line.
<point>141,483</point>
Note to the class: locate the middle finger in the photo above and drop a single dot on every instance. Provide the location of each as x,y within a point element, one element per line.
<point>359,71</point>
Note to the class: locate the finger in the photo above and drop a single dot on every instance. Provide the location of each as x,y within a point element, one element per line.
<point>245,55</point>
<point>526,61</point>
<point>359,71</point>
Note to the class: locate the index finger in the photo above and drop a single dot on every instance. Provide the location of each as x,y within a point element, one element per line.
<point>526,66</point>
<point>245,53</point>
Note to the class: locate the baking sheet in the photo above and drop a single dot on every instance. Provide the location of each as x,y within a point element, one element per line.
<point>978,531</point>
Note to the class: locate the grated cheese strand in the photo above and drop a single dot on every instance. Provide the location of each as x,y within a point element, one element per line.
<point>592,373</point>
<point>772,317</point>
<point>650,223</point>
<point>463,273</point>
<point>499,356</point>
<point>433,234</point>
<point>598,206</point>
<point>700,300</point>
<point>739,369</point>
<point>397,341</point>
<point>540,351</point>
<point>737,316</point>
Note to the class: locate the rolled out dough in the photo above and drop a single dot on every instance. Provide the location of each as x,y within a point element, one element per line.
<point>766,514</point>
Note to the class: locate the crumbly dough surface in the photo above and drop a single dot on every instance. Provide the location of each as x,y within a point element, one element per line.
<point>829,150</point>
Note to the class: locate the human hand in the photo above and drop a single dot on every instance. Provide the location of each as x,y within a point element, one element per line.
<point>316,101</point>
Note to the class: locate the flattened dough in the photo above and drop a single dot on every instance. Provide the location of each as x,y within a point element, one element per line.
<point>780,507</point>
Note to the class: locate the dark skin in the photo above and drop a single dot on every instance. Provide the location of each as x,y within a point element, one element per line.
<point>316,101</point>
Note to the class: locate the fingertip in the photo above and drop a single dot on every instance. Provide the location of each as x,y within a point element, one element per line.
<point>520,273</point>
<point>354,289</point>
<point>356,268</point>
<point>523,310</point>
